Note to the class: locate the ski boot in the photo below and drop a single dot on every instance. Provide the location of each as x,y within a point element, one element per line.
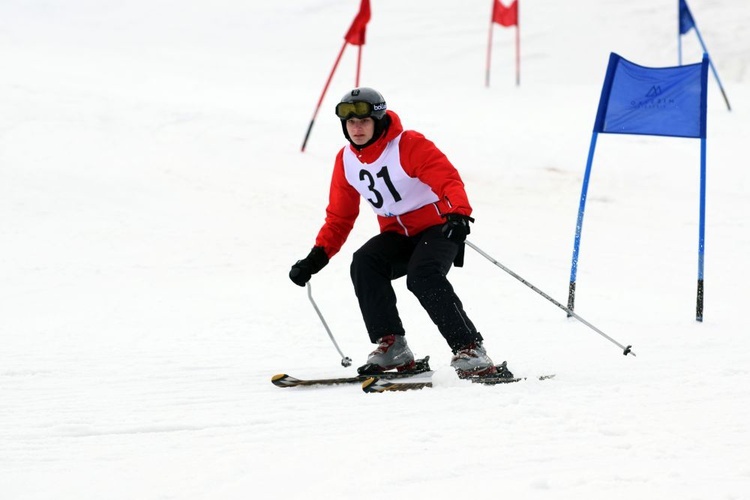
<point>391,353</point>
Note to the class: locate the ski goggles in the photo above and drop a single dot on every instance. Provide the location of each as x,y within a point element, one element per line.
<point>359,109</point>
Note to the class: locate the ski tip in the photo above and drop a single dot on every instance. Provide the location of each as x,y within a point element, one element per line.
<point>368,385</point>
<point>283,380</point>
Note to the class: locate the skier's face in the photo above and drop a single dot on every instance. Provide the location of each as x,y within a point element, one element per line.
<point>360,130</point>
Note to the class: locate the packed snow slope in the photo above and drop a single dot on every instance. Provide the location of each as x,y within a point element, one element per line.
<point>153,197</point>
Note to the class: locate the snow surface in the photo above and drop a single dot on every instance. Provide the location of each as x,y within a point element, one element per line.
<point>153,197</point>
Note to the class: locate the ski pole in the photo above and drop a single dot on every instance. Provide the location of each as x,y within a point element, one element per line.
<point>345,360</point>
<point>625,349</point>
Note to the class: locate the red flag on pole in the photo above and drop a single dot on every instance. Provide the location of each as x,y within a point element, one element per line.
<point>505,16</point>
<point>356,33</point>
<point>355,36</point>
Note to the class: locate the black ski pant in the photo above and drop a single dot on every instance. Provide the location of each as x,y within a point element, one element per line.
<point>425,260</point>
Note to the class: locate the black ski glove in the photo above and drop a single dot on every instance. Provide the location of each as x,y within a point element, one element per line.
<point>456,227</point>
<point>303,270</point>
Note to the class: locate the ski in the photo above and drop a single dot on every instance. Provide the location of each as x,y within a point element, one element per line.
<point>284,380</point>
<point>420,381</point>
<point>490,380</point>
<point>502,376</point>
<point>417,378</point>
<point>377,385</point>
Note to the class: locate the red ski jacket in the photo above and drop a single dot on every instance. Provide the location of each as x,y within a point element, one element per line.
<point>420,159</point>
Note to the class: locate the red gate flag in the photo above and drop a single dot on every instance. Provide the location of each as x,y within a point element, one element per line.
<point>356,33</point>
<point>505,16</point>
<point>355,36</point>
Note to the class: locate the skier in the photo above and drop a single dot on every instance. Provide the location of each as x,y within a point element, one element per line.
<point>424,217</point>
